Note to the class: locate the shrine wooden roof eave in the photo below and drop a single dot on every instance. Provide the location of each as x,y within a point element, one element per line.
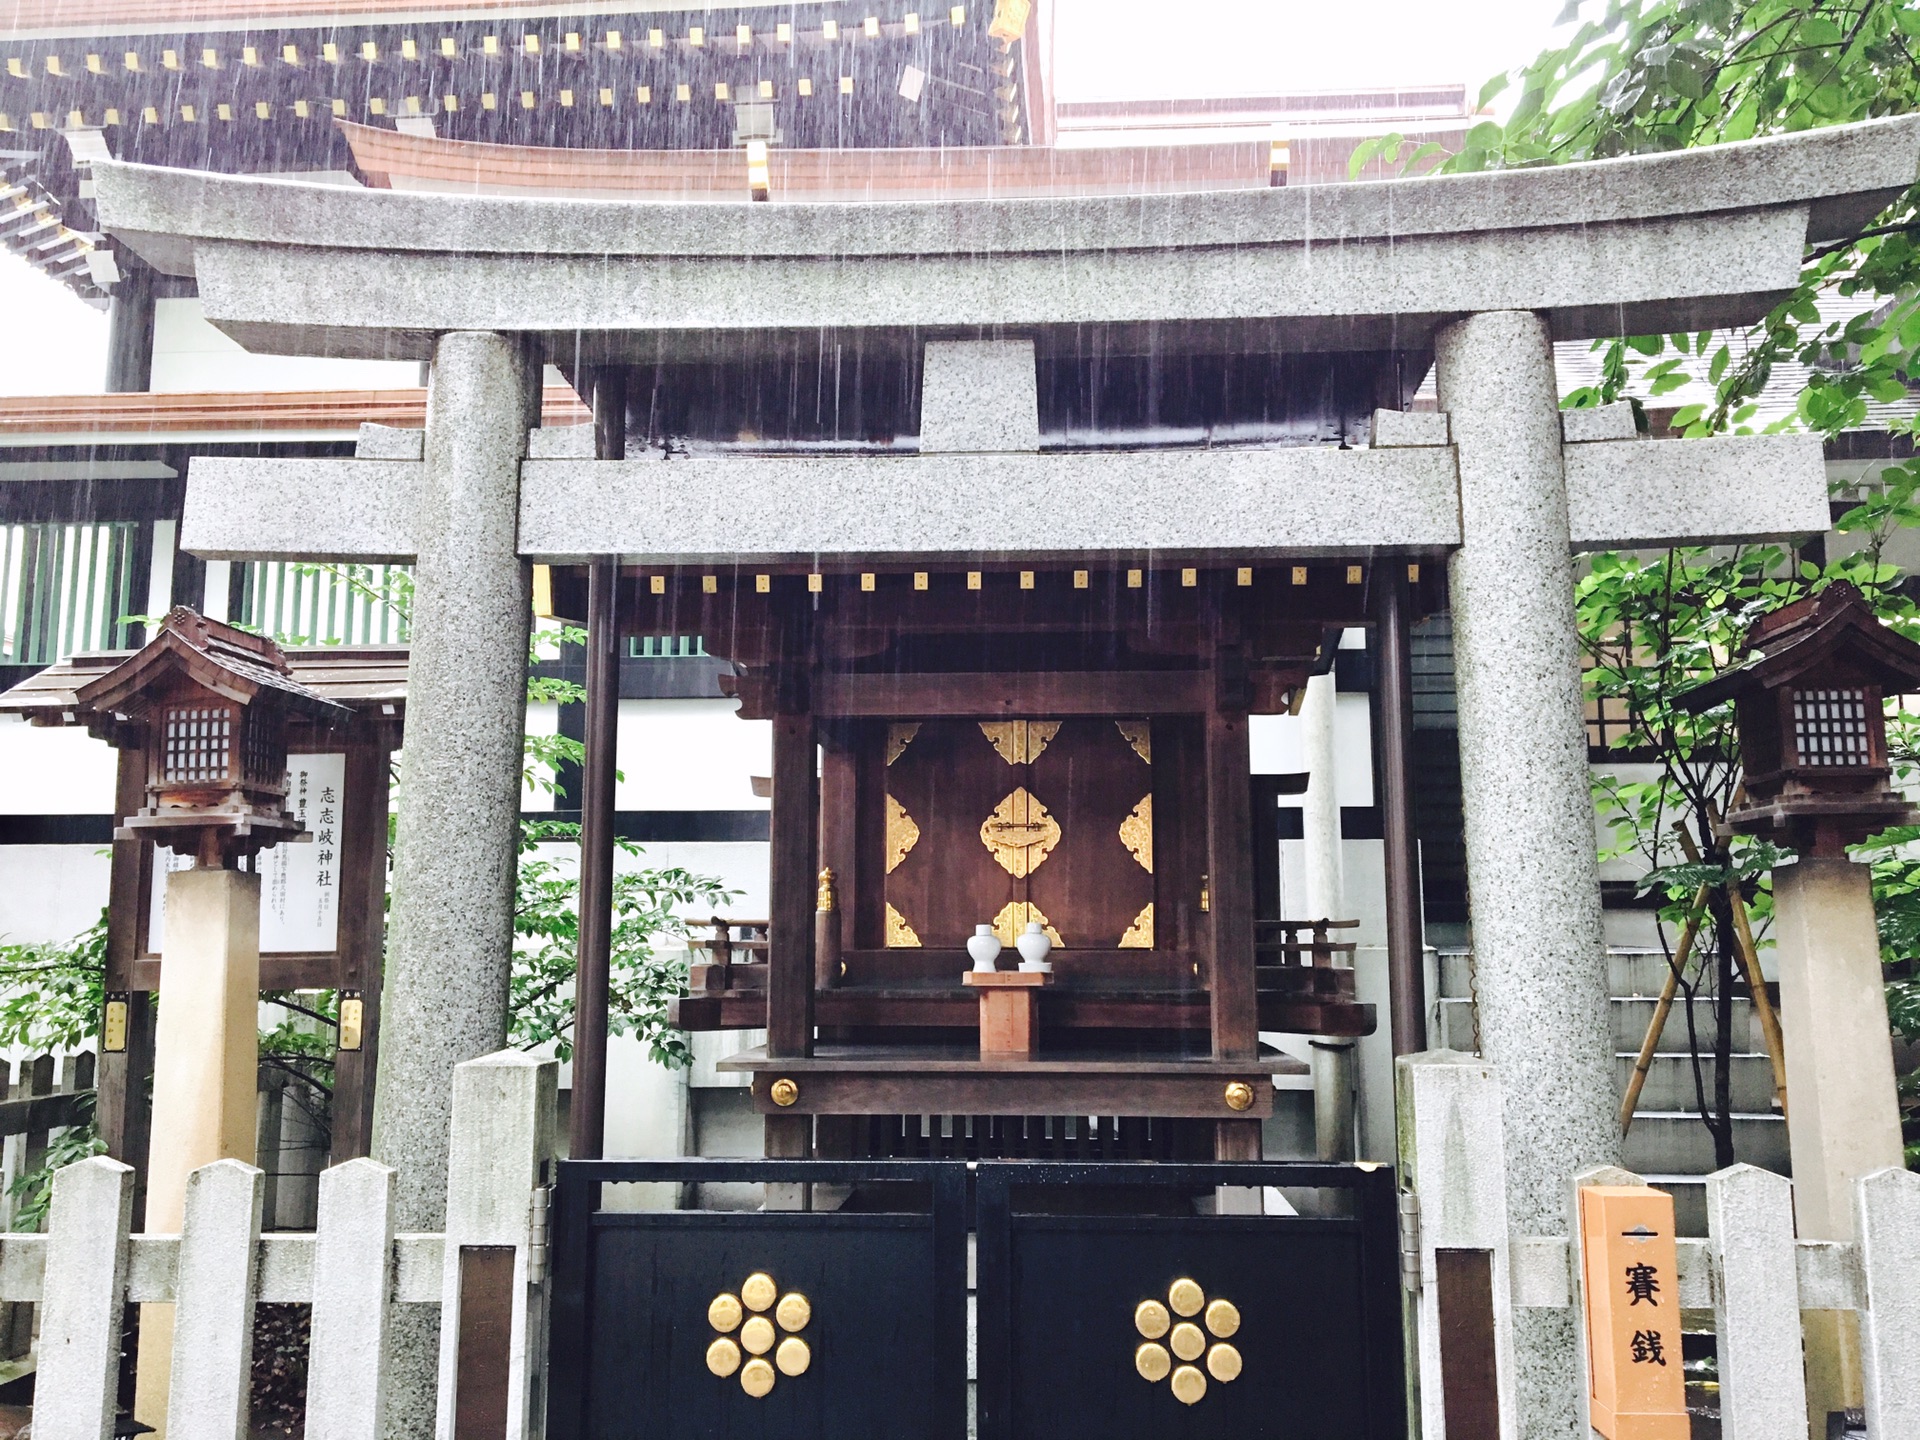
<point>1710,236</point>
<point>368,679</point>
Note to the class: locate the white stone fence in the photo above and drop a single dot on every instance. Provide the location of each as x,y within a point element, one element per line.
<point>1751,1273</point>
<point>354,1269</point>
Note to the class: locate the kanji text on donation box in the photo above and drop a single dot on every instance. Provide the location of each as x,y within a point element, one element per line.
<point>1638,1390</point>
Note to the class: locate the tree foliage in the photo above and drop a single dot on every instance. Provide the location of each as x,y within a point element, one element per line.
<point>648,966</point>
<point>1640,76</point>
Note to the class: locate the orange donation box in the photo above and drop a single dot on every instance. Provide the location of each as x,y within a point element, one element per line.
<point>1633,1313</point>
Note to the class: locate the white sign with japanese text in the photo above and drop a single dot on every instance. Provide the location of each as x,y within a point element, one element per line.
<point>299,884</point>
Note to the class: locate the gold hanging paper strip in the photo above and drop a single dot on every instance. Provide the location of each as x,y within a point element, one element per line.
<point>900,935</point>
<point>1136,832</point>
<point>1139,734</point>
<point>1020,834</point>
<point>1020,742</point>
<point>898,738</point>
<point>1139,935</point>
<point>1014,917</point>
<point>902,833</point>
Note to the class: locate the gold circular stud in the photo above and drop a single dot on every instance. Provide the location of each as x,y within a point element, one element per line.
<point>784,1092</point>
<point>795,1310</point>
<point>1223,1363</point>
<point>1185,1296</point>
<point>1188,1384</point>
<point>1239,1095</point>
<point>1150,1318</point>
<point>724,1314</point>
<point>1223,1319</point>
<point>759,1292</point>
<point>1153,1362</point>
<point>793,1356</point>
<point>756,1377</point>
<point>756,1336</point>
<point>1187,1341</point>
<point>723,1357</point>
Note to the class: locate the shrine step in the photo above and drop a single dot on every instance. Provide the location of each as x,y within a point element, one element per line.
<point>1630,973</point>
<point>1677,1143</point>
<point>1631,1015</point>
<point>1670,1085</point>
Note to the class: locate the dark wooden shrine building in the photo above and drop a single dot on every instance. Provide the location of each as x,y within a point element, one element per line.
<point>956,748</point>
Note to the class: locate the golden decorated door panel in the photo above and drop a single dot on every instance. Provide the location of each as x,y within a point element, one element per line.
<point>1003,822</point>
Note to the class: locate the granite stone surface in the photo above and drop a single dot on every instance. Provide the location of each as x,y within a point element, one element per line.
<point>352,1264</point>
<point>1844,174</point>
<point>214,1301</point>
<point>1375,292</point>
<point>1534,885</point>
<point>81,1300</point>
<point>1303,500</point>
<point>1627,493</point>
<point>1599,422</point>
<point>246,507</point>
<point>1887,1209</point>
<point>978,395</point>
<point>451,932</point>
<point>1408,427</point>
<point>388,442</point>
<point>1763,1393</point>
<point>1449,1117</point>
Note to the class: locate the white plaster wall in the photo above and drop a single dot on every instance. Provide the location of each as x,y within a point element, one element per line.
<point>190,355</point>
<point>54,771</point>
<point>690,755</point>
<point>50,892</point>
<point>1275,746</point>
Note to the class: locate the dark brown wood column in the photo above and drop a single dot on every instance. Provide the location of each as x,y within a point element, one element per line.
<point>1230,977</point>
<point>586,1126</point>
<point>362,932</point>
<point>1393,779</point>
<point>122,1110</point>
<point>791,885</point>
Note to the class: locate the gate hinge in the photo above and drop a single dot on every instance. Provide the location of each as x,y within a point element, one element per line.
<point>1410,1241</point>
<point>539,1231</point>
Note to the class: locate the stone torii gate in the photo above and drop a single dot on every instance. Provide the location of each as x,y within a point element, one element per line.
<point>1480,272</point>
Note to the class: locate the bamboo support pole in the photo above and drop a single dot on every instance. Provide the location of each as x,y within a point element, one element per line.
<point>1762,1001</point>
<point>1631,1100</point>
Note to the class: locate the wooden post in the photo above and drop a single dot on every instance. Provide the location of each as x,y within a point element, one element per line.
<point>586,1137</point>
<point>122,1109</point>
<point>1393,764</point>
<point>362,936</point>
<point>839,848</point>
<point>1235,1016</point>
<point>791,887</point>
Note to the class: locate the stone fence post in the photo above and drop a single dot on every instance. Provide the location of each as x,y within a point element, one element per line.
<point>1756,1304</point>
<point>493,1310</point>
<point>82,1300</point>
<point>347,1359</point>
<point>1887,1214</point>
<point>214,1290</point>
<point>1453,1151</point>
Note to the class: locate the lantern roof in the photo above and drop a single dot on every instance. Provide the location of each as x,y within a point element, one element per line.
<point>228,661</point>
<point>1834,624</point>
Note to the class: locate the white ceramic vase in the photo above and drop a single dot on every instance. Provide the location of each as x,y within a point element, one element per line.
<point>984,946</point>
<point>1034,947</point>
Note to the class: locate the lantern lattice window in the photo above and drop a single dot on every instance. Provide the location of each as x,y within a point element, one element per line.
<point>199,742</point>
<point>1830,728</point>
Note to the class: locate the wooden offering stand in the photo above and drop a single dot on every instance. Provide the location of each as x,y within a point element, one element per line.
<point>1009,1011</point>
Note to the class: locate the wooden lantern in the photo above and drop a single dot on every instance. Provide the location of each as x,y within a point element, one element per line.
<point>212,703</point>
<point>1813,733</point>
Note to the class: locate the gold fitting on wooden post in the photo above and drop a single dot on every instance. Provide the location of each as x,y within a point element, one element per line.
<point>823,902</point>
<point>1239,1095</point>
<point>783,1092</point>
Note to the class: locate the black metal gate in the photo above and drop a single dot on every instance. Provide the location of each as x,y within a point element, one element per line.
<point>1106,1308</point>
<point>1124,1325</point>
